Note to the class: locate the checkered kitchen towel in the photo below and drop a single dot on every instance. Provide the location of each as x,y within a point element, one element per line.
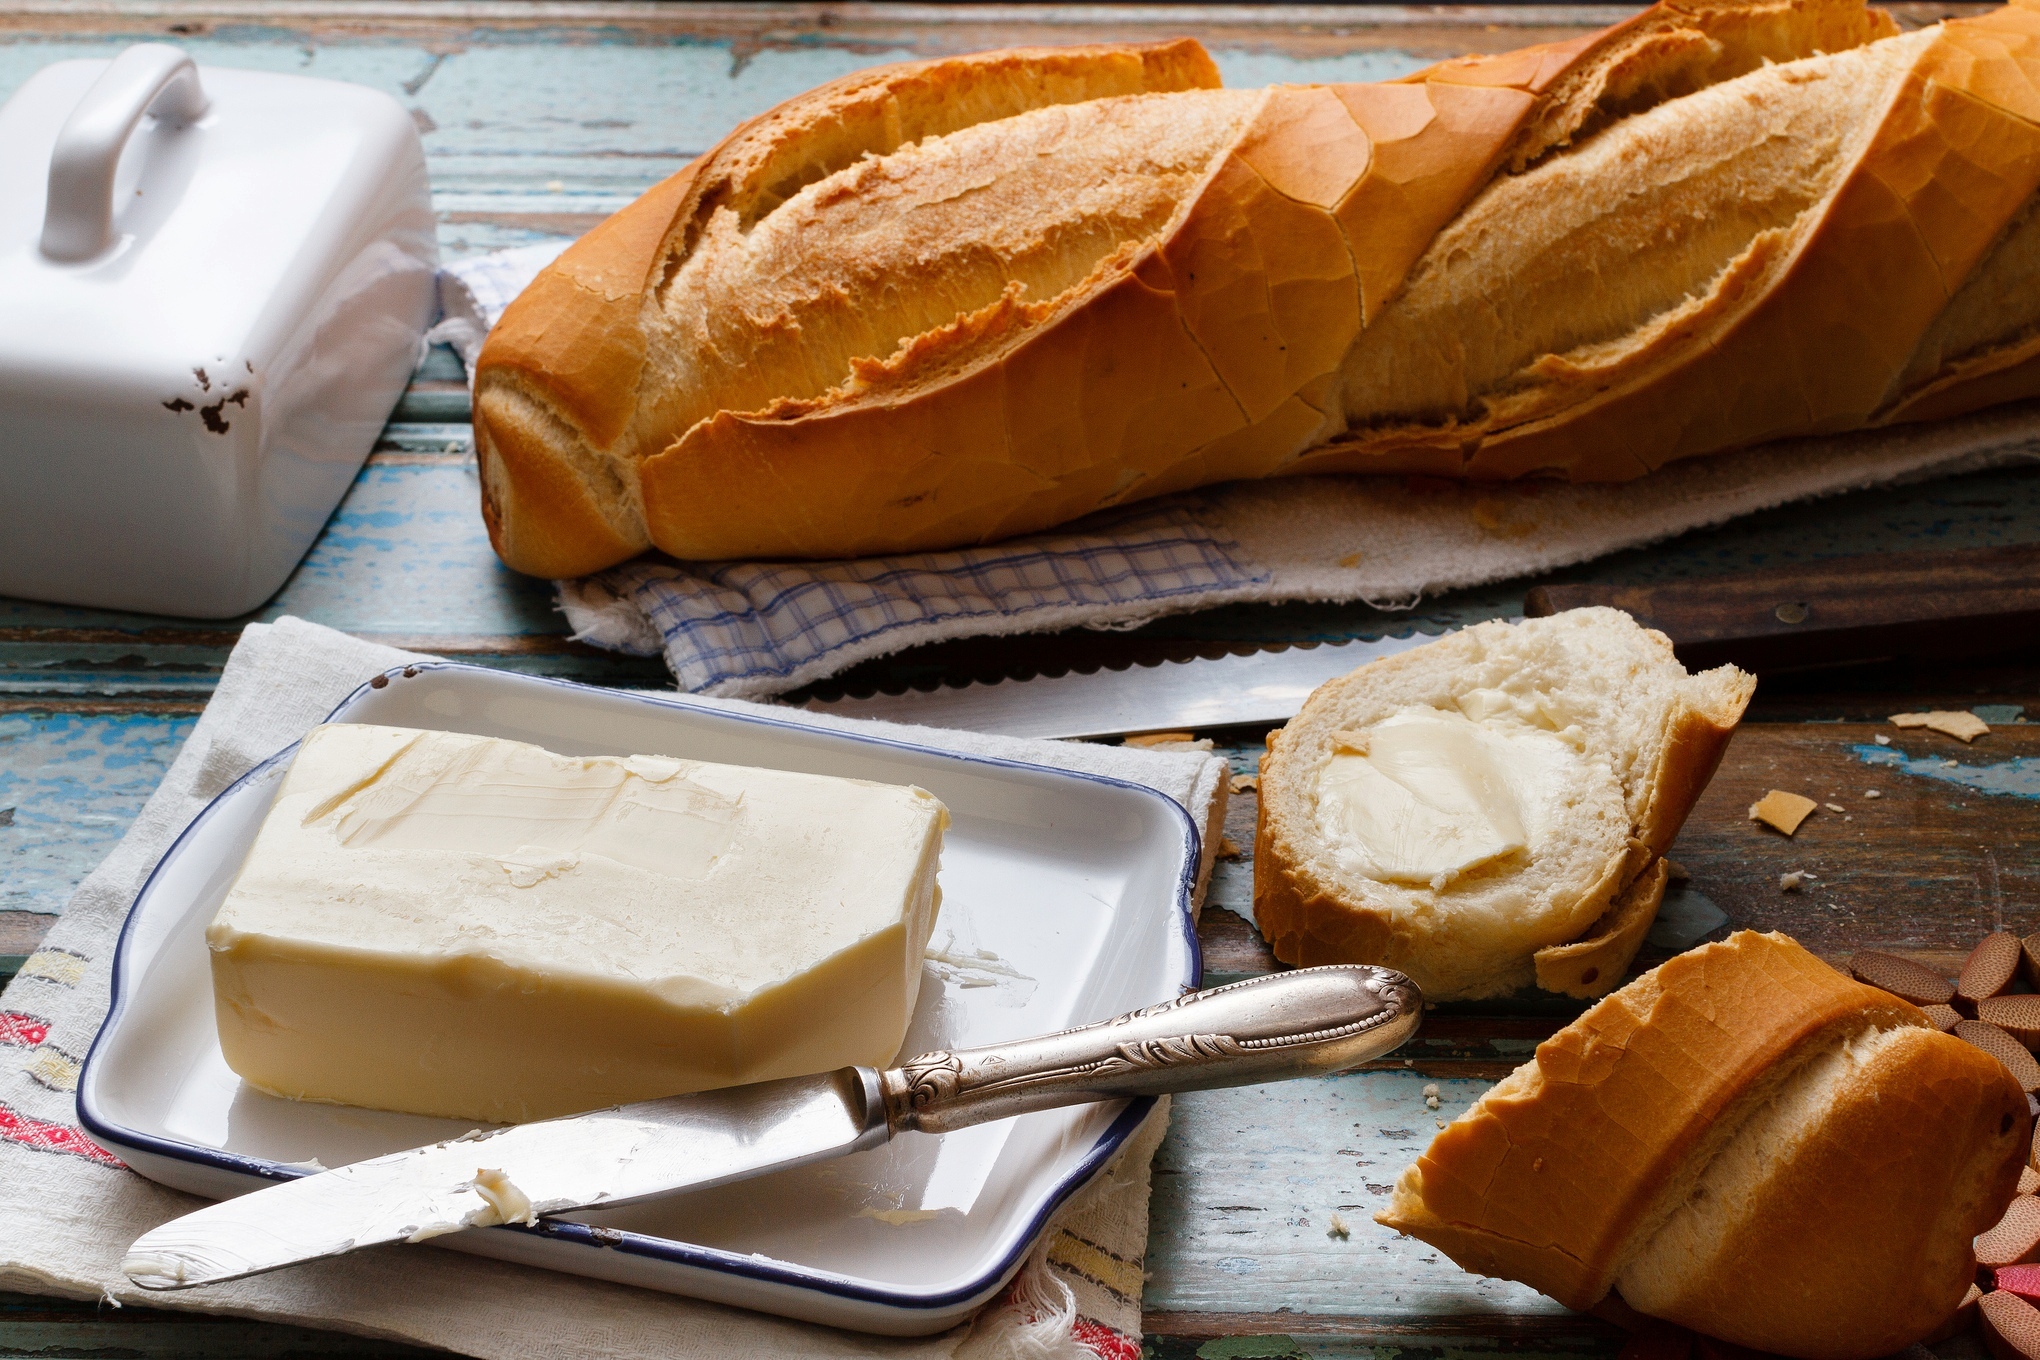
<point>752,629</point>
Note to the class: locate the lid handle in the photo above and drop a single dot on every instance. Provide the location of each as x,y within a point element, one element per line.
<point>78,222</point>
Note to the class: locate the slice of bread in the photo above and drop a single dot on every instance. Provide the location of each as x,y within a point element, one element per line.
<point>1742,1141</point>
<point>1577,745</point>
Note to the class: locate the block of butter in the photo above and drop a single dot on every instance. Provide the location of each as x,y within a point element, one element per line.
<point>464,926</point>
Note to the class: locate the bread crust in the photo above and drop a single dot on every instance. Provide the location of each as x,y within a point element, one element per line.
<point>1591,965</point>
<point>1858,1245</point>
<point>577,339</point>
<point>1216,349</point>
<point>1955,158</point>
<point>1558,1174</point>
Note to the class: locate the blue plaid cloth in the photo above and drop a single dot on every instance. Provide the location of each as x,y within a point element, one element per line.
<point>757,628</point>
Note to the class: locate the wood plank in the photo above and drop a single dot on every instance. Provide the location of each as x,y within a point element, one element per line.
<point>69,786</point>
<point>32,1325</point>
<point>1268,1192</point>
<point>533,127</point>
<point>405,559</point>
<point>1948,853</point>
<point>20,934</point>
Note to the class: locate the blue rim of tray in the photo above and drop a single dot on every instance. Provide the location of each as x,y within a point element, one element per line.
<point>666,1249</point>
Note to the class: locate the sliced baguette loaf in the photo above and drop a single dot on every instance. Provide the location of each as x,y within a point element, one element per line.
<point>1583,727</point>
<point>951,301</point>
<point>1742,1141</point>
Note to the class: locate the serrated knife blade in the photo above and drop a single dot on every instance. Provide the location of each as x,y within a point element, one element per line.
<point>1176,695</point>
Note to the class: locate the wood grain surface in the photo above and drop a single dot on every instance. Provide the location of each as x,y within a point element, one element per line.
<point>538,120</point>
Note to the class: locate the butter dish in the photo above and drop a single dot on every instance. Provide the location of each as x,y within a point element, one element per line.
<point>1066,899</point>
<point>213,284</point>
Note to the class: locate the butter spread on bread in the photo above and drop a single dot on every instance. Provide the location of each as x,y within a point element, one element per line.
<point>1742,1141</point>
<point>950,301</point>
<point>464,926</point>
<point>1433,794</point>
<point>1490,809</point>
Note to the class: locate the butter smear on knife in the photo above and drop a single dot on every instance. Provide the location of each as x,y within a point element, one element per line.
<point>465,926</point>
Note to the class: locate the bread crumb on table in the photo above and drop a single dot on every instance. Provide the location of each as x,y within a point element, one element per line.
<point>1228,848</point>
<point>1873,793</point>
<point>1782,811</point>
<point>1961,726</point>
<point>1834,807</point>
<point>1246,783</point>
<point>1881,739</point>
<point>1338,1229</point>
<point>1794,880</point>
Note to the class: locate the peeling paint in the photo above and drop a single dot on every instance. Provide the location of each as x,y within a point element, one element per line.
<point>2018,777</point>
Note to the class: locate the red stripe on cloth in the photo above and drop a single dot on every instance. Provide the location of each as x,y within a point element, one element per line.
<point>1103,1342</point>
<point>40,1135</point>
<point>22,1031</point>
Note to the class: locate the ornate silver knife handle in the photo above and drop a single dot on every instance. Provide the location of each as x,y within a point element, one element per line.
<point>1312,1022</point>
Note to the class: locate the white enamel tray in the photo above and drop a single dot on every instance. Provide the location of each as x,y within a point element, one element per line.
<point>1065,899</point>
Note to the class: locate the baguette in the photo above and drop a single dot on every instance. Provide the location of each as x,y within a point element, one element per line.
<point>950,301</point>
<point>1601,744</point>
<point>1744,1142</point>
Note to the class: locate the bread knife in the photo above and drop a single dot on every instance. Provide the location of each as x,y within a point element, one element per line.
<point>1933,605</point>
<point>1187,696</point>
<point>1312,1022</point>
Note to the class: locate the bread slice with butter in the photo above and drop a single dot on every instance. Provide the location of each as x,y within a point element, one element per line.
<point>1742,1141</point>
<point>1491,809</point>
<point>456,925</point>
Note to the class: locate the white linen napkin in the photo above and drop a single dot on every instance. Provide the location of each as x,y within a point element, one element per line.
<point>69,1209</point>
<point>754,629</point>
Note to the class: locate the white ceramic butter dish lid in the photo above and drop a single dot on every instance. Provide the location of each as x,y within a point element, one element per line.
<point>212,287</point>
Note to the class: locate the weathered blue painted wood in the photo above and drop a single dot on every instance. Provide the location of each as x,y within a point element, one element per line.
<point>533,124</point>
<point>406,553</point>
<point>1269,1192</point>
<point>405,557</point>
<point>69,786</point>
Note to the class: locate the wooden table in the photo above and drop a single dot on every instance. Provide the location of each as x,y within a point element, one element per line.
<point>541,118</point>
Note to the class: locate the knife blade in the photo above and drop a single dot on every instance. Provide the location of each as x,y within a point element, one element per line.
<point>1176,695</point>
<point>1312,1022</point>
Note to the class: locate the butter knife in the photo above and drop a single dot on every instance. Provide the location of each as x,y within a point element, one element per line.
<point>1312,1022</point>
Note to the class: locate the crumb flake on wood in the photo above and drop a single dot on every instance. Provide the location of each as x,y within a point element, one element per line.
<point>1246,783</point>
<point>1961,726</point>
<point>1782,811</point>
